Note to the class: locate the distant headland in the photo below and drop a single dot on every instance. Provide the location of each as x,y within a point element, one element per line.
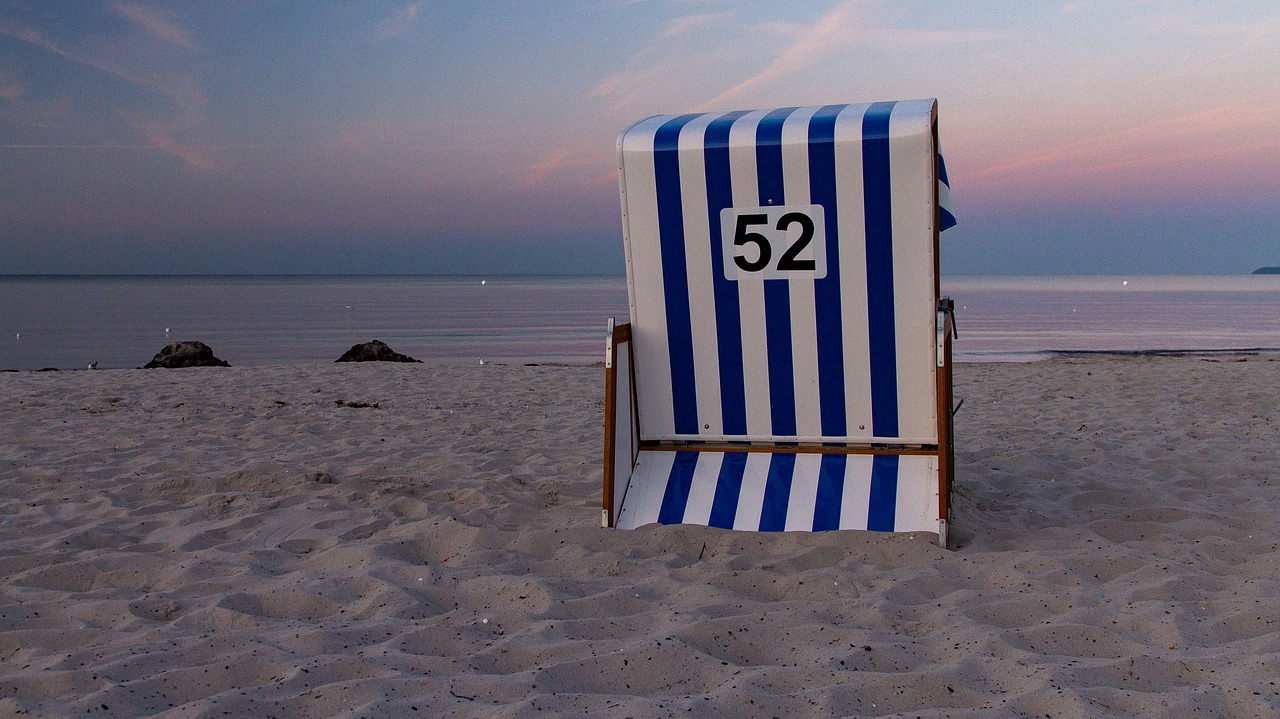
<point>1267,271</point>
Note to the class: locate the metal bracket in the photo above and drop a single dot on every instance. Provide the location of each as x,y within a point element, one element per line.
<point>946,308</point>
<point>608,346</point>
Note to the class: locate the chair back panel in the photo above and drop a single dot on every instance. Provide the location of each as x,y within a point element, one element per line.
<point>781,267</point>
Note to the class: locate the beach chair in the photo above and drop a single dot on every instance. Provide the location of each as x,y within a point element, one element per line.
<point>787,366</point>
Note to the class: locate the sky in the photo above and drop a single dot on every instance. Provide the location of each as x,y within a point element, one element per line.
<point>469,136</point>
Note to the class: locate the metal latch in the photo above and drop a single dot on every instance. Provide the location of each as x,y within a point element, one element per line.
<point>946,308</point>
<point>608,346</point>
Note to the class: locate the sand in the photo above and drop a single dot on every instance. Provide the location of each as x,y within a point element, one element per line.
<point>423,540</point>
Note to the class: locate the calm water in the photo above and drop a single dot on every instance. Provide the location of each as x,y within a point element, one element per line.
<point>67,322</point>
<point>1009,317</point>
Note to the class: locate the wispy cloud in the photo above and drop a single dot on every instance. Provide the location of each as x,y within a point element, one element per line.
<point>155,22</point>
<point>10,88</point>
<point>36,38</point>
<point>624,87</point>
<point>163,126</point>
<point>1206,25</point>
<point>1238,127</point>
<point>690,23</point>
<point>832,30</point>
<point>397,24</point>
<point>842,27</point>
<point>565,159</point>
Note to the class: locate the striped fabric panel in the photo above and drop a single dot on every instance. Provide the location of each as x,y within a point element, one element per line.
<point>783,492</point>
<point>843,357</point>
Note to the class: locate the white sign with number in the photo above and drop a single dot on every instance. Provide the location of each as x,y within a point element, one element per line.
<point>779,242</point>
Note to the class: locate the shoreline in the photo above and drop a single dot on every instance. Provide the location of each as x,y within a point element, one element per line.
<point>976,357</point>
<point>307,540</point>
<point>1043,355</point>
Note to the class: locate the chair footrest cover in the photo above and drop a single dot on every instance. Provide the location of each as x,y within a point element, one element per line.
<point>761,491</point>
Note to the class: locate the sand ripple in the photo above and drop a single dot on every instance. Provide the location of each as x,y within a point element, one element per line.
<point>256,542</point>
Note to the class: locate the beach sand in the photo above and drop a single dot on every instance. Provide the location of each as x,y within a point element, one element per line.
<point>379,540</point>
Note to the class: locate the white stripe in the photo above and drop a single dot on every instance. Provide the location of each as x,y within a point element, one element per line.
<point>803,502</point>
<point>702,302</point>
<point>911,172</point>
<point>855,504</point>
<point>624,429</point>
<point>917,507</point>
<point>755,353</point>
<point>804,322</point>
<point>853,272</point>
<point>648,485</point>
<point>751,499</point>
<point>644,266</point>
<point>703,491</point>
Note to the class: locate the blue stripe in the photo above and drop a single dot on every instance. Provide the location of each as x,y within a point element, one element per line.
<point>733,398</point>
<point>884,493</point>
<point>822,191</point>
<point>777,295</point>
<point>676,496</point>
<point>675,274</point>
<point>946,220</point>
<point>880,310</point>
<point>724,506</point>
<point>777,492</point>
<point>826,510</point>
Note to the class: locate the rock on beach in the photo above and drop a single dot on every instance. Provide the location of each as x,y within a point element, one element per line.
<point>374,351</point>
<point>185,354</point>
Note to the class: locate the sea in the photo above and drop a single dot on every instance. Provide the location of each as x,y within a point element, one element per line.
<point>70,322</point>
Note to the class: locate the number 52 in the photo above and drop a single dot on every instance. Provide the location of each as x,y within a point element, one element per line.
<point>754,236</point>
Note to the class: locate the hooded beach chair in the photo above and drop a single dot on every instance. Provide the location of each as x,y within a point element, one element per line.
<point>787,366</point>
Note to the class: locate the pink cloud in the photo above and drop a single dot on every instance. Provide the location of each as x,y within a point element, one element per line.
<point>1233,128</point>
<point>689,23</point>
<point>170,135</point>
<point>562,160</point>
<point>831,30</point>
<point>397,24</point>
<point>1222,154</point>
<point>156,23</point>
<point>842,27</point>
<point>159,126</point>
<point>10,89</point>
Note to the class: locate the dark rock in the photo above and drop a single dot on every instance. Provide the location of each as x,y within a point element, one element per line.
<point>185,354</point>
<point>375,351</point>
<point>1267,271</point>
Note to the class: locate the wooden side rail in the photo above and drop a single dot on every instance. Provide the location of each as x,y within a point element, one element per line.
<point>619,452</point>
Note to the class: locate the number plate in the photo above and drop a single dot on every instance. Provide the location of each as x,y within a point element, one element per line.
<point>780,242</point>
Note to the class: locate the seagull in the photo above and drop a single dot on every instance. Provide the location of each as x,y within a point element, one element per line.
<point>18,336</point>
<point>93,365</point>
<point>483,282</point>
<point>482,361</point>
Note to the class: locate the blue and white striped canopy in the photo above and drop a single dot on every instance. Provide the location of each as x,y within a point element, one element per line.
<point>783,273</point>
